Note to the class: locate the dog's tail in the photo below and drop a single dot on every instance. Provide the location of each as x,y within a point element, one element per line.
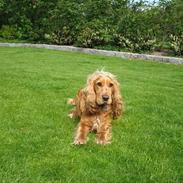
<point>71,101</point>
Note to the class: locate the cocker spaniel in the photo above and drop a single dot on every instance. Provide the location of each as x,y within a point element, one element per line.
<point>96,105</point>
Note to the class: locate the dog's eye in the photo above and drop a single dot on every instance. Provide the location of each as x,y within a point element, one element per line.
<point>110,85</point>
<point>99,84</point>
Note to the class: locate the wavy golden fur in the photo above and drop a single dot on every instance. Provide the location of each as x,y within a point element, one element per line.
<point>96,105</point>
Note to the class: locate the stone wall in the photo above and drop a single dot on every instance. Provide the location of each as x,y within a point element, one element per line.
<point>99,52</point>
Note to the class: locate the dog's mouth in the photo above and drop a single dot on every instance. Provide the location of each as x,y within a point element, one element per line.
<point>103,103</point>
<point>104,106</point>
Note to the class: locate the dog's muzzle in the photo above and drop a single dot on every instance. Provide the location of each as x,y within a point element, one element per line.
<point>105,98</point>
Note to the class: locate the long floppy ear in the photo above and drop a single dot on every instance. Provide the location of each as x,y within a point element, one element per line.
<point>117,102</point>
<point>90,96</point>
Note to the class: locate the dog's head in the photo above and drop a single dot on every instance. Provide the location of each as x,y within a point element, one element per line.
<point>103,89</point>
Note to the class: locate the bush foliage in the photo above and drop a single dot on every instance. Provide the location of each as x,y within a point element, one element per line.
<point>124,24</point>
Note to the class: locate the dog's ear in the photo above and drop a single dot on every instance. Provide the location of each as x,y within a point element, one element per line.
<point>117,102</point>
<point>90,96</point>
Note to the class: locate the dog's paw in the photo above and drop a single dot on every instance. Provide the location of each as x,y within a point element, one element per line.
<point>102,142</point>
<point>79,141</point>
<point>71,115</point>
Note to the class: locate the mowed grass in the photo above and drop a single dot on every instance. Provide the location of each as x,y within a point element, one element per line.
<point>36,135</point>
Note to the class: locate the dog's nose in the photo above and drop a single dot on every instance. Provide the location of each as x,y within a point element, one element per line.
<point>105,97</point>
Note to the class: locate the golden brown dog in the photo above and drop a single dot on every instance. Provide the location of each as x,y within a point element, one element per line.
<point>96,105</point>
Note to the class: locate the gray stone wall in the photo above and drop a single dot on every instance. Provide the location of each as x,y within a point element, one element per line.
<point>99,52</point>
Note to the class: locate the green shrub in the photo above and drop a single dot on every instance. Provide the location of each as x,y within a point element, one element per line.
<point>95,33</point>
<point>144,44</point>
<point>88,37</point>
<point>135,44</point>
<point>127,25</point>
<point>176,43</point>
<point>8,32</point>
<point>123,42</point>
<point>62,36</point>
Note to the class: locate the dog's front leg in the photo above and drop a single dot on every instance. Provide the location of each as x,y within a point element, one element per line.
<point>104,133</point>
<point>82,132</point>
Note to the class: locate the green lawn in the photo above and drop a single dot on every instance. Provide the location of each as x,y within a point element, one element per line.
<point>36,135</point>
